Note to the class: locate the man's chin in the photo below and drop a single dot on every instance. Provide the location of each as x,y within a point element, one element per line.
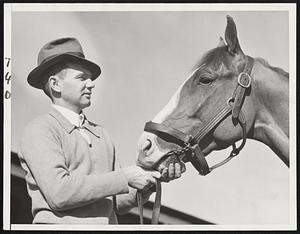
<point>85,105</point>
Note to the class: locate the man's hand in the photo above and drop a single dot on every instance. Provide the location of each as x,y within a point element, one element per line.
<point>172,172</point>
<point>140,178</point>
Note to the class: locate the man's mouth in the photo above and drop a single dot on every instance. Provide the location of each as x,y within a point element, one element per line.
<point>87,94</point>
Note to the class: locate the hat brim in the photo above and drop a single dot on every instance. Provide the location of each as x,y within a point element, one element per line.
<point>37,77</point>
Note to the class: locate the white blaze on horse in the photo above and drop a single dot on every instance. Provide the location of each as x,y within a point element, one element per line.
<point>230,96</point>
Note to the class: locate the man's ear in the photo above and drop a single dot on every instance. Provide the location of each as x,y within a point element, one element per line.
<point>54,83</point>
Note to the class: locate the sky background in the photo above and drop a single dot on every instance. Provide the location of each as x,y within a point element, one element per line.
<point>144,57</point>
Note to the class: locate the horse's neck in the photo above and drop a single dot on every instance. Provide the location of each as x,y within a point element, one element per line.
<point>271,96</point>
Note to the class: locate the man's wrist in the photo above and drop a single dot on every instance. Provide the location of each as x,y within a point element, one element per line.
<point>123,172</point>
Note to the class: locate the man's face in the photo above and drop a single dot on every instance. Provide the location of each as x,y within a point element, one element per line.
<point>76,87</point>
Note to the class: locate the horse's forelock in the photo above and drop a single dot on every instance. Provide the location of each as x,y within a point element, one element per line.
<point>214,58</point>
<point>215,62</point>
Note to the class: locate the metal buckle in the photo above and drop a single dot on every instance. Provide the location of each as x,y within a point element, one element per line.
<point>231,99</point>
<point>248,80</point>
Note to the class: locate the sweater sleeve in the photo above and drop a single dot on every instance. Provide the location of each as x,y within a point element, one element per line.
<point>41,151</point>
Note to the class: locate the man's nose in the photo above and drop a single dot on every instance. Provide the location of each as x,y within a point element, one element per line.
<point>90,83</point>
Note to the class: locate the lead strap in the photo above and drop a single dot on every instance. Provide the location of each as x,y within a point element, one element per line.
<point>157,203</point>
<point>140,205</point>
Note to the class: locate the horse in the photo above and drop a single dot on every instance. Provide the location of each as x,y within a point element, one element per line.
<point>228,97</point>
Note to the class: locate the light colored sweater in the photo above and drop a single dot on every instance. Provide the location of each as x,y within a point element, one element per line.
<point>69,181</point>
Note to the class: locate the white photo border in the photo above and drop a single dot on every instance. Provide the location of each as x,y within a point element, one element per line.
<point>22,7</point>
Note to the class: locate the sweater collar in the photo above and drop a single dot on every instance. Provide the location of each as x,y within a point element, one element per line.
<point>70,121</point>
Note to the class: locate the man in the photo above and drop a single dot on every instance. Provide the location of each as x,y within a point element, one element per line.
<point>72,174</point>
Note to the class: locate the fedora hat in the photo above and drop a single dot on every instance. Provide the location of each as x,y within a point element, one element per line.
<point>57,51</point>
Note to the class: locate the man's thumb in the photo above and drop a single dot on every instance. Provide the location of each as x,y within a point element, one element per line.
<point>156,174</point>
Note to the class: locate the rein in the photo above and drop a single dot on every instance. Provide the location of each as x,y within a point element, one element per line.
<point>190,150</point>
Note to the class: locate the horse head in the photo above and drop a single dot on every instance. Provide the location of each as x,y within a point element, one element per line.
<point>209,90</point>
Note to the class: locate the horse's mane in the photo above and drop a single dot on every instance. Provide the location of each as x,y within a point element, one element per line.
<point>276,69</point>
<point>218,56</point>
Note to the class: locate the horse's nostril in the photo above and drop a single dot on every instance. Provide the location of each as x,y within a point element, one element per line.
<point>147,145</point>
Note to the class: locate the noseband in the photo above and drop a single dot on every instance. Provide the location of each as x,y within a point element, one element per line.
<point>190,150</point>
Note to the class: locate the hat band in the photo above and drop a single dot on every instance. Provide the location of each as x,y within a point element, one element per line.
<point>77,54</point>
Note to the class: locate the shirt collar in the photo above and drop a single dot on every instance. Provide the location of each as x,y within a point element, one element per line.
<point>69,119</point>
<point>72,116</point>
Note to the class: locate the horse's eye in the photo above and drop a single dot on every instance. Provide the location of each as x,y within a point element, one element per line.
<point>205,81</point>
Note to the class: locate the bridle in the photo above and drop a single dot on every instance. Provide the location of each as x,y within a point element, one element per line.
<point>190,150</point>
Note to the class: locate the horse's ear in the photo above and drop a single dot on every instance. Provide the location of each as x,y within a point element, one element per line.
<point>221,42</point>
<point>231,37</point>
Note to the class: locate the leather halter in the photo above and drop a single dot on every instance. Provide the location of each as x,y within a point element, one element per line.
<point>190,149</point>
